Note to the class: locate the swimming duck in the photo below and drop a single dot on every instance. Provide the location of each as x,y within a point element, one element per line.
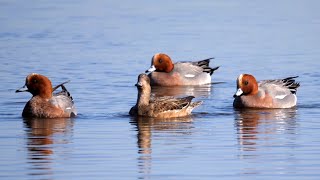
<point>163,72</point>
<point>163,107</point>
<point>44,103</point>
<point>279,93</point>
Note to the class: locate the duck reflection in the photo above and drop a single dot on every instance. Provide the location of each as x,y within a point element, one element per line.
<point>41,140</point>
<point>146,126</point>
<point>196,91</point>
<point>253,124</point>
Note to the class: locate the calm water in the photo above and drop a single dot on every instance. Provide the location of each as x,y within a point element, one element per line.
<point>102,47</point>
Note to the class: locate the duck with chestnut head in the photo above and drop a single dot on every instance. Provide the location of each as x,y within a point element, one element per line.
<point>279,93</point>
<point>44,103</point>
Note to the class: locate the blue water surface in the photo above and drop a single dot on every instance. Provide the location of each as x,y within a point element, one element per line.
<point>102,46</point>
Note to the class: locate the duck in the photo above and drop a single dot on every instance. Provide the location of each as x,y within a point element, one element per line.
<point>278,93</point>
<point>160,107</point>
<point>163,72</point>
<point>44,103</point>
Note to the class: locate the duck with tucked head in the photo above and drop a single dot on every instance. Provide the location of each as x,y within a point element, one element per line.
<point>44,103</point>
<point>164,73</point>
<point>279,93</point>
<point>163,107</point>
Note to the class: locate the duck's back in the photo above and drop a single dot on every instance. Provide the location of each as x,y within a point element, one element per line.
<point>282,91</point>
<point>64,101</point>
<point>59,105</point>
<point>190,74</point>
<point>168,107</point>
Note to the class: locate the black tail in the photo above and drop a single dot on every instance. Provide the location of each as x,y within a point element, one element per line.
<point>291,84</point>
<point>64,91</point>
<point>213,69</point>
<point>57,86</point>
<point>205,66</point>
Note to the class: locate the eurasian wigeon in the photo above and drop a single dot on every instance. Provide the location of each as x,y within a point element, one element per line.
<point>165,73</point>
<point>162,107</point>
<point>44,103</point>
<point>280,93</point>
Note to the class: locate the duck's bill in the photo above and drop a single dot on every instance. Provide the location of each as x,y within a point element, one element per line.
<point>139,84</point>
<point>238,93</point>
<point>23,89</point>
<point>151,69</point>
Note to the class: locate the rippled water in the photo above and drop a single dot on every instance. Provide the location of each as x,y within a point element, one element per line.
<point>102,47</point>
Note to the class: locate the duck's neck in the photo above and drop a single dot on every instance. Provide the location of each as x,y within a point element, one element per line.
<point>46,93</point>
<point>143,97</point>
<point>169,67</point>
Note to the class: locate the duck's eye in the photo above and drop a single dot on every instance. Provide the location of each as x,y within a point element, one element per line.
<point>35,81</point>
<point>160,60</point>
<point>246,83</point>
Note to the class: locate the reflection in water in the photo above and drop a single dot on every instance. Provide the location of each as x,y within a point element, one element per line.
<point>252,123</point>
<point>258,129</point>
<point>196,91</point>
<point>145,127</point>
<point>41,140</point>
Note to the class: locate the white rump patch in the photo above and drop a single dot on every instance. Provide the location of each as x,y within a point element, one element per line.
<point>189,75</point>
<point>68,108</point>
<point>281,96</point>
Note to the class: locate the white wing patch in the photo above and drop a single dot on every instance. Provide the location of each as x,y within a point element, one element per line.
<point>281,96</point>
<point>189,75</point>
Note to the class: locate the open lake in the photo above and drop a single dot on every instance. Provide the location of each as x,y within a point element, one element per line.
<point>102,46</point>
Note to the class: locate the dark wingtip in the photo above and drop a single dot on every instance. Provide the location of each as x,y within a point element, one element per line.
<point>204,62</point>
<point>214,69</point>
<point>291,84</point>
<point>208,59</point>
<point>62,86</point>
<point>289,78</point>
<point>188,98</point>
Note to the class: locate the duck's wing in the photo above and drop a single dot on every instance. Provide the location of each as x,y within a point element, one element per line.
<point>193,69</point>
<point>171,104</point>
<point>204,64</point>
<point>280,89</point>
<point>187,69</point>
<point>288,83</point>
<point>64,100</point>
<point>59,85</point>
<point>291,84</point>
